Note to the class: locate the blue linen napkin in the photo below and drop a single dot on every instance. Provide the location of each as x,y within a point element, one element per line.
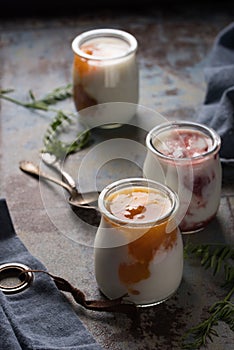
<point>217,111</point>
<point>39,317</point>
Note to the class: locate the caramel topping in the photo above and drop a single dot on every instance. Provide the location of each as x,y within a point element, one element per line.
<point>88,51</point>
<point>82,66</point>
<point>105,47</point>
<point>133,211</point>
<point>81,98</point>
<point>142,252</point>
<point>139,204</point>
<point>101,48</point>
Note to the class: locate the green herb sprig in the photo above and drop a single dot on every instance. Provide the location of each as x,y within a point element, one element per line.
<point>54,145</point>
<point>51,141</point>
<point>58,94</point>
<point>216,257</point>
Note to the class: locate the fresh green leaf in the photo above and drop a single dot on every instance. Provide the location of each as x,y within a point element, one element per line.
<point>58,94</point>
<point>214,257</point>
<point>51,140</point>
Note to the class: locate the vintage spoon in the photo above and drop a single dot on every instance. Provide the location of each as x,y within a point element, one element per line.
<point>85,200</point>
<point>51,160</point>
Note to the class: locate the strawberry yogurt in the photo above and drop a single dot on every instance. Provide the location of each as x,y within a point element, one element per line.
<point>138,246</point>
<point>104,71</point>
<point>184,155</point>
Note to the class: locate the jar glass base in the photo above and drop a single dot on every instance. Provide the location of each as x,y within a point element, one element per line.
<point>189,232</point>
<point>145,304</point>
<point>111,126</point>
<point>154,303</point>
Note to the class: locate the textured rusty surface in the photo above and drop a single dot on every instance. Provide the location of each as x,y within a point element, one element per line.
<point>36,54</point>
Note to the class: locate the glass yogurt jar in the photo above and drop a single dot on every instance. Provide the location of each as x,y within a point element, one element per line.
<point>105,70</point>
<point>185,156</point>
<point>138,245</point>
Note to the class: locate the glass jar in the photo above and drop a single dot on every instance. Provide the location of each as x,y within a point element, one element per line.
<point>185,156</point>
<point>105,70</point>
<point>138,246</point>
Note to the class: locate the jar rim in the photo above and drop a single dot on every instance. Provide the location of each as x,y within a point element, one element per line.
<point>138,182</point>
<point>107,32</point>
<point>216,140</point>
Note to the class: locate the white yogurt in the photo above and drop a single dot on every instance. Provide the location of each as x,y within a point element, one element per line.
<point>105,70</point>
<point>138,251</point>
<point>185,156</point>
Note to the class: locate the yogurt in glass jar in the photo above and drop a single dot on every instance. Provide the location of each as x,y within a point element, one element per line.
<point>185,156</point>
<point>105,70</point>
<point>138,245</point>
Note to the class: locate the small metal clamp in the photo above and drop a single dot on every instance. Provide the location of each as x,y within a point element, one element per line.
<point>14,277</point>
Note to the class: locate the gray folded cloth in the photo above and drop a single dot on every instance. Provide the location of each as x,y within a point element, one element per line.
<point>39,317</point>
<point>217,111</point>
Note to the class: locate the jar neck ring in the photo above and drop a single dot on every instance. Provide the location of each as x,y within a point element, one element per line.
<point>216,141</point>
<point>98,33</point>
<point>138,182</point>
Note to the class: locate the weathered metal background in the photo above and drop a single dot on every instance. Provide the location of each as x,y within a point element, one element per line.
<point>36,54</point>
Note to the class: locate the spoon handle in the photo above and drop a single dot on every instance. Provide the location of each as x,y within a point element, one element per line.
<point>33,169</point>
<point>52,161</point>
<point>66,176</point>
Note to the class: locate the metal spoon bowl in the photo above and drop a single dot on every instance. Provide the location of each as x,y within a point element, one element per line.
<point>86,200</point>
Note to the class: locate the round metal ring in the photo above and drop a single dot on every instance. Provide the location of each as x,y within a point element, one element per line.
<point>16,271</point>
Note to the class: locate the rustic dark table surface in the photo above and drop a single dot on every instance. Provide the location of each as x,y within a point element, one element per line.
<point>35,54</point>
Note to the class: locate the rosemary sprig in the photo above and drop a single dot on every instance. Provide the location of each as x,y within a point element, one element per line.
<point>221,311</point>
<point>52,143</point>
<point>216,257</point>
<point>58,94</point>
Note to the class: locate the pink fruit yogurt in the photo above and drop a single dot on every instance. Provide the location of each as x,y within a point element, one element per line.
<point>184,155</point>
